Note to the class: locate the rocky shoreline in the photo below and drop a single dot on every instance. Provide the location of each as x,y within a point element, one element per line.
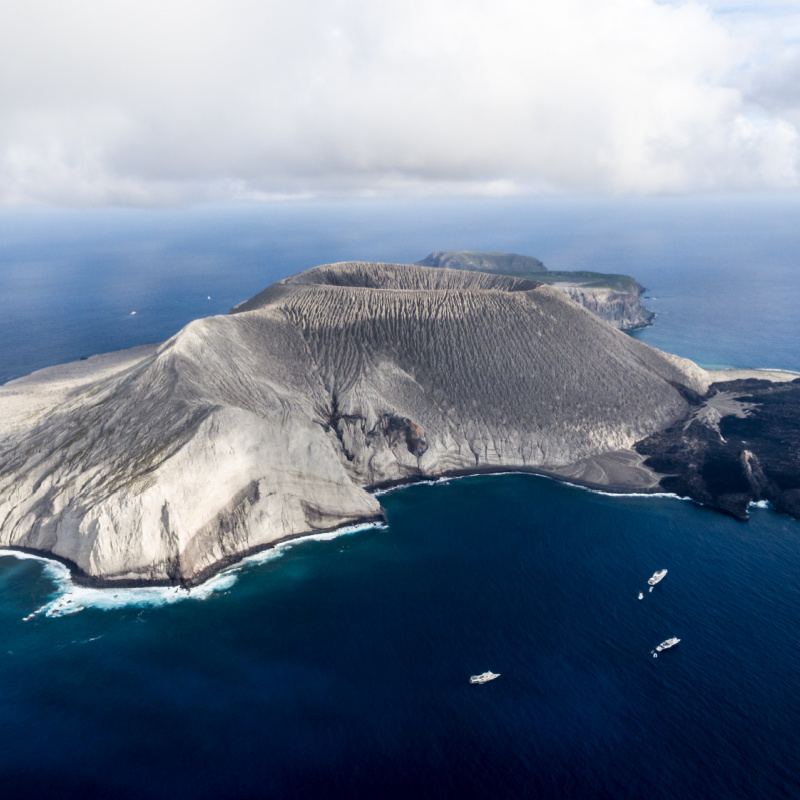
<point>80,578</point>
<point>283,419</point>
<point>741,477</point>
<point>739,445</point>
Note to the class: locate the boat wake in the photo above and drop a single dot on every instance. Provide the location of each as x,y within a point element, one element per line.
<point>70,598</point>
<point>665,645</point>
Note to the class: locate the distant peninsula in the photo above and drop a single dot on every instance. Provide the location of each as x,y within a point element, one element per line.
<point>163,464</point>
<point>612,297</point>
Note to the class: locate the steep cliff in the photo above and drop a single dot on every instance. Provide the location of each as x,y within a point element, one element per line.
<point>622,309</point>
<point>245,429</point>
<point>612,297</point>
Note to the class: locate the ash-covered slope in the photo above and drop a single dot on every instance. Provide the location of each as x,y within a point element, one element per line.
<point>620,308</point>
<point>612,297</point>
<point>270,422</point>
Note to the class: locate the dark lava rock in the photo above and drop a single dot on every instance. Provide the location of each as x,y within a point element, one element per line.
<point>749,458</point>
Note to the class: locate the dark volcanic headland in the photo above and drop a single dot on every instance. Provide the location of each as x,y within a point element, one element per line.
<point>740,445</point>
<point>612,297</point>
<point>165,463</point>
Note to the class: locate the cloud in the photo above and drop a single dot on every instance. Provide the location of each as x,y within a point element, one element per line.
<point>166,101</point>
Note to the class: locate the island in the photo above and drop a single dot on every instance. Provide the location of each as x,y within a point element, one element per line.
<point>164,464</point>
<point>612,297</point>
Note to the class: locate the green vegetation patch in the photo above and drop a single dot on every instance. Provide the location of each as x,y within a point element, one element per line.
<point>511,264</point>
<point>517,266</point>
<point>592,280</point>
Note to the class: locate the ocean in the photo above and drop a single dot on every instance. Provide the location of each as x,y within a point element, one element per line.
<point>339,666</point>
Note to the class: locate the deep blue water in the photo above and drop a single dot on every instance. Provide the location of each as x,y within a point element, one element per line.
<point>340,668</point>
<point>722,275</point>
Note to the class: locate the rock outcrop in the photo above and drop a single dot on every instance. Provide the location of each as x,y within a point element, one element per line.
<point>612,297</point>
<point>273,421</point>
<point>738,446</point>
<point>620,308</point>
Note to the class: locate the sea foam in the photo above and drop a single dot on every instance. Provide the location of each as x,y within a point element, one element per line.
<point>761,504</point>
<point>448,478</point>
<point>71,598</point>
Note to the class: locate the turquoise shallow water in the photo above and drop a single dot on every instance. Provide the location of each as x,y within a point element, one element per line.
<point>339,668</point>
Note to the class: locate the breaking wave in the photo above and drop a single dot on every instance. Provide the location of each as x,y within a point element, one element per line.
<point>760,504</point>
<point>71,598</point>
<point>448,478</point>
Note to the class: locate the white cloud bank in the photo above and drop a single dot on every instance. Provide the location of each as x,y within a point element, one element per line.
<point>178,101</point>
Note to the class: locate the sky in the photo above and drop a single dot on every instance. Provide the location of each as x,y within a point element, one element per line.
<point>180,102</point>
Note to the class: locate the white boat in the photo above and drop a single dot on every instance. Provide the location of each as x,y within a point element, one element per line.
<point>665,645</point>
<point>641,596</point>
<point>484,677</point>
<point>658,575</point>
